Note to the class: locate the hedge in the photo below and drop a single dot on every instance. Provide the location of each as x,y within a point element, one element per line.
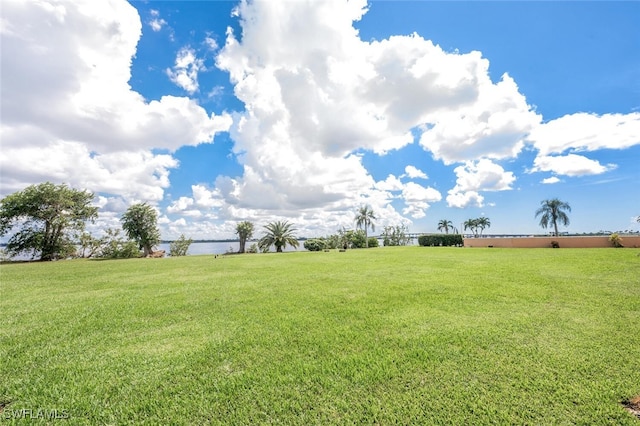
<point>440,240</point>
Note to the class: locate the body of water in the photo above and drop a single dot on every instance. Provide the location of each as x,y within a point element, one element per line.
<point>197,248</point>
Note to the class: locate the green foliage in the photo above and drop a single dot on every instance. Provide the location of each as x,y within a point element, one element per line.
<point>4,256</point>
<point>140,223</point>
<point>372,242</point>
<point>436,240</point>
<point>88,245</point>
<point>315,244</point>
<point>113,246</point>
<point>553,211</point>
<point>244,230</point>
<point>477,225</point>
<point>180,246</point>
<point>444,225</point>
<point>616,240</point>
<point>359,239</point>
<point>279,234</point>
<point>395,236</point>
<point>332,241</point>
<point>253,248</point>
<point>364,219</point>
<point>46,216</point>
<point>349,238</point>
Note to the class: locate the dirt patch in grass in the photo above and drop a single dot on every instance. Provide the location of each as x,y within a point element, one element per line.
<point>633,406</point>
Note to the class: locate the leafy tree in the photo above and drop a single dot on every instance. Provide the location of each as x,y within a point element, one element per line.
<point>244,230</point>
<point>47,216</point>
<point>482,223</point>
<point>113,246</point>
<point>180,246</point>
<point>140,222</point>
<point>395,236</point>
<point>332,241</point>
<point>349,238</point>
<point>553,211</point>
<point>88,245</point>
<point>364,219</point>
<point>279,234</point>
<point>357,238</point>
<point>445,224</point>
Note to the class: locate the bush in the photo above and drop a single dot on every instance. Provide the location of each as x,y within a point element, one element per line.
<point>616,241</point>
<point>253,248</point>
<point>555,244</point>
<point>395,236</point>
<point>115,247</point>
<point>180,246</point>
<point>436,240</point>
<point>314,244</point>
<point>359,239</point>
<point>373,242</point>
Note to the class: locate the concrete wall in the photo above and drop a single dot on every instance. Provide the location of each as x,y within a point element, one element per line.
<point>545,242</point>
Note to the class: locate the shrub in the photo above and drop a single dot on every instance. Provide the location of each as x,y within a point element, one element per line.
<point>359,239</point>
<point>395,236</point>
<point>314,244</point>
<point>373,242</point>
<point>180,246</point>
<point>436,240</point>
<point>555,244</point>
<point>332,241</point>
<point>615,239</point>
<point>116,247</point>
<point>253,248</point>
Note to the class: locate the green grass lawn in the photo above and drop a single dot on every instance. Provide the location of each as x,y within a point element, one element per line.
<point>379,336</point>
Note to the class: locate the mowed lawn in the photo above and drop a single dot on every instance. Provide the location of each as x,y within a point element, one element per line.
<point>405,335</point>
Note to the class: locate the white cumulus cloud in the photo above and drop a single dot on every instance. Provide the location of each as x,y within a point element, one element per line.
<point>465,199</point>
<point>315,94</point>
<point>587,132</point>
<point>76,120</point>
<point>414,173</point>
<point>418,199</point>
<point>473,177</point>
<point>550,180</point>
<point>570,165</point>
<point>185,71</point>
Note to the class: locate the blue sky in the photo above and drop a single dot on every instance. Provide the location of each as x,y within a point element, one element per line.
<point>216,112</point>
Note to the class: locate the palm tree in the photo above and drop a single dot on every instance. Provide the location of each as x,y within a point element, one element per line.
<point>365,218</point>
<point>445,224</point>
<point>483,222</point>
<point>244,230</point>
<point>552,211</point>
<point>471,224</point>
<point>279,235</point>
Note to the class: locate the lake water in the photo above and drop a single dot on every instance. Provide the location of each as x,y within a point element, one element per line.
<point>221,247</point>
<point>202,248</point>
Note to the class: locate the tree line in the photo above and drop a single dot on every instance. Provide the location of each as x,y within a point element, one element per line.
<point>48,221</point>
